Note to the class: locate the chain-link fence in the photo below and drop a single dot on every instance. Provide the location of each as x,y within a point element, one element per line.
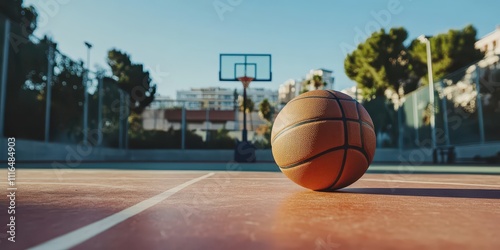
<point>43,94</point>
<point>43,98</point>
<point>466,110</point>
<point>200,125</point>
<point>53,98</point>
<point>415,118</point>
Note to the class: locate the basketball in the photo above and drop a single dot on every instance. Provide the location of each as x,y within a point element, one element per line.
<point>323,140</point>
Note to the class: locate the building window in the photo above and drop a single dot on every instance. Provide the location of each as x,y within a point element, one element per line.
<point>486,48</point>
<point>494,45</point>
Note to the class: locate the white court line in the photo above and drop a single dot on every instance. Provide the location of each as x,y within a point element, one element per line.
<point>434,182</point>
<point>80,235</point>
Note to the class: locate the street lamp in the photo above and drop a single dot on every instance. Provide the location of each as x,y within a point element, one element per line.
<point>86,97</point>
<point>427,42</point>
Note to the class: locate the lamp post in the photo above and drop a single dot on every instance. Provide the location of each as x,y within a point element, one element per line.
<point>427,42</point>
<point>86,97</point>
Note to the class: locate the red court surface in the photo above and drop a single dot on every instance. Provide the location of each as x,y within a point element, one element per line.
<point>136,209</point>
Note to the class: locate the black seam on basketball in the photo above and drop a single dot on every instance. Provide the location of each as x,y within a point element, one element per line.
<point>346,142</point>
<point>312,157</point>
<point>344,158</point>
<point>321,97</point>
<point>366,123</point>
<point>302,123</point>
<point>363,151</point>
<point>311,121</point>
<point>323,153</point>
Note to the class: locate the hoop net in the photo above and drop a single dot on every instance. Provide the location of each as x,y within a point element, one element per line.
<point>245,80</point>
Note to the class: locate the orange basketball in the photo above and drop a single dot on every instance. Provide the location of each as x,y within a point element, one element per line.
<point>323,140</point>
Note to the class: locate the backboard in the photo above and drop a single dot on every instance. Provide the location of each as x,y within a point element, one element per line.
<point>234,66</point>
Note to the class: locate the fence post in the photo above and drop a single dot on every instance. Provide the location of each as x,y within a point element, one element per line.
<point>207,117</point>
<point>120,122</point>
<point>3,80</point>
<point>183,126</point>
<point>85,107</point>
<point>48,101</point>
<point>127,114</point>
<point>99,110</point>
<point>155,111</point>
<point>479,104</point>
<point>445,117</point>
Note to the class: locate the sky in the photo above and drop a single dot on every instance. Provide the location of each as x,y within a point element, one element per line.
<point>179,41</point>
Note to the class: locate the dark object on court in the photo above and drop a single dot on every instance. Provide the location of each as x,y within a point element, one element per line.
<point>494,159</point>
<point>444,155</point>
<point>244,152</point>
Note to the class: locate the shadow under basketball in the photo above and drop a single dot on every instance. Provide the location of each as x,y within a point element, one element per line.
<point>427,192</point>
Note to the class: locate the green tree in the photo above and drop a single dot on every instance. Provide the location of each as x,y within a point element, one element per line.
<point>380,63</point>
<point>316,82</point>
<point>27,76</point>
<point>133,79</point>
<point>450,52</point>
<point>20,14</point>
<point>220,139</point>
<point>28,93</point>
<point>384,62</point>
<point>27,60</point>
<point>250,107</point>
<point>266,110</point>
<point>67,98</point>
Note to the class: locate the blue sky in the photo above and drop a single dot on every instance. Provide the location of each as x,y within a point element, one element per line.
<point>180,41</point>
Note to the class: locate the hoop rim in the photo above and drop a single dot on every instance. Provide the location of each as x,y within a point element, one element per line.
<point>245,80</point>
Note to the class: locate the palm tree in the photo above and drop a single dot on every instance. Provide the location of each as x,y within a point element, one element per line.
<point>266,110</point>
<point>250,105</point>
<point>316,82</point>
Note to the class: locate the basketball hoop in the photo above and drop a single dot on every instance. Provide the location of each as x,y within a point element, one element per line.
<point>245,80</point>
<point>238,67</point>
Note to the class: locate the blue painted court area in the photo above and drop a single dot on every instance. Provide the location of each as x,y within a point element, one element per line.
<point>219,209</point>
<point>267,167</point>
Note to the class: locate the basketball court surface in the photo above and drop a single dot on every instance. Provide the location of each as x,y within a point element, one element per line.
<point>390,207</point>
